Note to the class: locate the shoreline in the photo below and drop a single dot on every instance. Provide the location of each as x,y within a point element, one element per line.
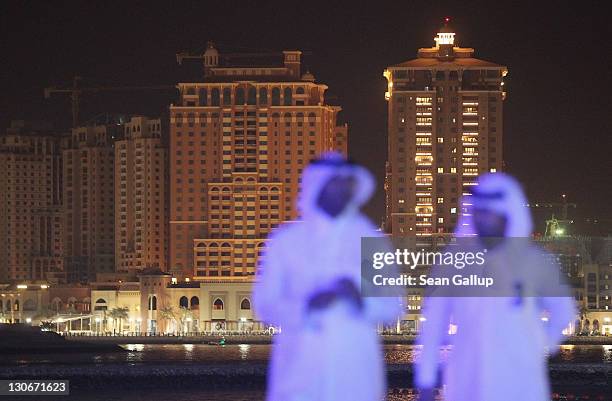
<point>263,339</point>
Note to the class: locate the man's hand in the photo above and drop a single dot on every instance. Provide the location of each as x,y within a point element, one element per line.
<point>346,290</point>
<point>321,300</point>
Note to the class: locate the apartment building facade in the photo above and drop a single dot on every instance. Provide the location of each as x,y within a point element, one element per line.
<point>239,141</point>
<point>445,128</point>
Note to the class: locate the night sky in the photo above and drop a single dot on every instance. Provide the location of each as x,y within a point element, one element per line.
<point>557,116</point>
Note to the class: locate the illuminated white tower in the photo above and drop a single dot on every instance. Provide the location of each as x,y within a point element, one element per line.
<point>445,128</point>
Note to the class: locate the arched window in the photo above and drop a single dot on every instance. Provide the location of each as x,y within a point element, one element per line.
<point>203,95</point>
<point>263,96</point>
<point>72,303</point>
<point>214,97</point>
<point>100,304</point>
<point>299,90</point>
<point>287,97</point>
<point>440,75</point>
<point>252,96</point>
<point>239,96</point>
<point>453,76</point>
<point>227,96</point>
<point>152,302</point>
<point>275,97</point>
<point>218,304</point>
<point>245,304</point>
<point>184,302</point>
<point>195,303</point>
<point>16,305</point>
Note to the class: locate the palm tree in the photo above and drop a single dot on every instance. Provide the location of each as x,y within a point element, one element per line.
<point>185,315</point>
<point>119,314</point>
<point>168,313</point>
<point>47,325</point>
<point>584,313</point>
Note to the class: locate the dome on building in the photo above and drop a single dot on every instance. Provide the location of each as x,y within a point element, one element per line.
<point>211,55</point>
<point>307,76</point>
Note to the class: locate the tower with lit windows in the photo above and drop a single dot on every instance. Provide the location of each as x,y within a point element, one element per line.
<point>239,140</point>
<point>445,128</point>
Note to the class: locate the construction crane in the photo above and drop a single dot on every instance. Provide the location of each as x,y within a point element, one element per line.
<point>75,92</point>
<point>180,57</point>
<point>554,226</point>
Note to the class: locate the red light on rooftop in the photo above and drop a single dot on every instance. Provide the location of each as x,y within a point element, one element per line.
<point>446,20</point>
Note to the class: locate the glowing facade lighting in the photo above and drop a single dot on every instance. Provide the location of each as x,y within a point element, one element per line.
<point>445,38</point>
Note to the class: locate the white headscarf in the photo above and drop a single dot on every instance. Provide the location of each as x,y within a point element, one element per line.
<point>319,172</point>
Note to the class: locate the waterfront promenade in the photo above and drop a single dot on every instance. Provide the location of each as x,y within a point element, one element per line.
<point>238,338</point>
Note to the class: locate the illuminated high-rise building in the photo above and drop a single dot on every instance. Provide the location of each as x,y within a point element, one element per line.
<point>89,203</point>
<point>30,203</point>
<point>140,196</point>
<point>445,128</point>
<point>239,140</point>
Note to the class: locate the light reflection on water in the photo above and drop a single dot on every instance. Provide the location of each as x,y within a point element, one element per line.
<point>258,353</point>
<point>244,351</point>
<point>246,354</point>
<point>397,394</point>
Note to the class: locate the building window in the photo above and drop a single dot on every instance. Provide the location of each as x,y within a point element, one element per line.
<point>203,95</point>
<point>287,97</point>
<point>252,96</point>
<point>227,96</point>
<point>218,304</point>
<point>275,97</point>
<point>195,303</point>
<point>184,302</point>
<point>245,304</point>
<point>239,96</point>
<point>214,97</point>
<point>153,302</point>
<point>263,96</point>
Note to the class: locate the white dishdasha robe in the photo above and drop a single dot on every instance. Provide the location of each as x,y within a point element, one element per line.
<point>499,350</point>
<point>334,354</point>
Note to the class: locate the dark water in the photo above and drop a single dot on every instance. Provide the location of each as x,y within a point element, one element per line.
<point>251,354</point>
<point>212,354</point>
<point>397,395</point>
